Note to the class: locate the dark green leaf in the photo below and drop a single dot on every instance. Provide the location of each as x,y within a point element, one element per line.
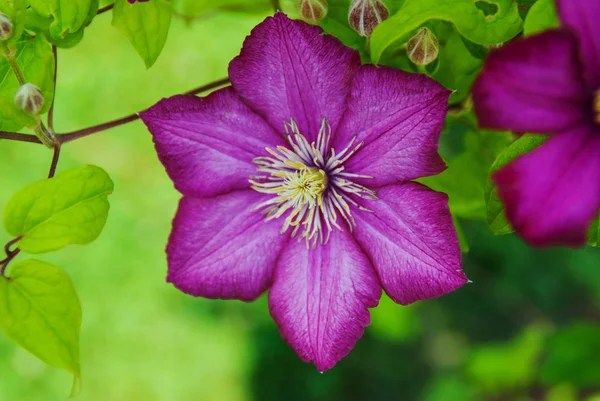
<point>495,208</point>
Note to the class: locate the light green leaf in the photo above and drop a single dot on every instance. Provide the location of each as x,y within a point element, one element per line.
<point>468,16</point>
<point>146,26</point>
<point>15,10</point>
<point>40,311</point>
<point>67,16</point>
<point>465,178</point>
<point>495,208</point>
<point>70,208</point>
<point>500,367</point>
<point>541,16</point>
<point>35,59</point>
<point>594,233</point>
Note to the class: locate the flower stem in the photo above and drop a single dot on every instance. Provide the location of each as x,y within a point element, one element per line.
<point>51,110</point>
<point>55,158</point>
<point>46,137</point>
<point>105,9</point>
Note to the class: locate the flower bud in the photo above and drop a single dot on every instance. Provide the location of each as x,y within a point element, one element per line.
<point>6,27</point>
<point>365,15</point>
<point>29,98</point>
<point>423,47</point>
<point>313,10</point>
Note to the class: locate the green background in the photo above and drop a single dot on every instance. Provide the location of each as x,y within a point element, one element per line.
<point>525,329</point>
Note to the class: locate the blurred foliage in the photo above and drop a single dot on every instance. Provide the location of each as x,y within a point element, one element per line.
<point>528,328</point>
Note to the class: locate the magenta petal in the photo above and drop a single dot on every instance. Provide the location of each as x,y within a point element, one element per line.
<point>289,69</point>
<point>581,16</point>
<point>553,193</point>
<point>532,85</point>
<point>412,243</point>
<point>399,117</point>
<point>207,144</point>
<point>220,249</point>
<point>320,297</point>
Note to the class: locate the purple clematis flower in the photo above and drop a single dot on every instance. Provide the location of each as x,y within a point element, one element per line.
<point>139,1</point>
<point>550,84</point>
<point>298,178</point>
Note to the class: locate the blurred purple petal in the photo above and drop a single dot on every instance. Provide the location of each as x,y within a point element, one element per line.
<point>582,16</point>
<point>399,117</point>
<point>411,240</point>
<point>532,85</point>
<point>220,249</point>
<point>207,144</point>
<point>320,297</point>
<point>553,193</point>
<point>288,69</point>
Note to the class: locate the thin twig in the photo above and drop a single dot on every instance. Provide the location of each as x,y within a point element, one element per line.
<point>105,9</point>
<point>51,111</point>
<point>10,254</point>
<point>71,136</point>
<point>55,158</point>
<point>13,136</point>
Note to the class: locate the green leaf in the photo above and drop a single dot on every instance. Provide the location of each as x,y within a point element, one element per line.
<point>469,19</point>
<point>458,68</point>
<point>146,26</point>
<point>66,16</point>
<point>35,59</point>
<point>501,367</point>
<point>15,10</point>
<point>572,356</point>
<point>40,311</point>
<point>495,208</point>
<point>594,233</point>
<point>70,208</point>
<point>541,16</point>
<point>466,176</point>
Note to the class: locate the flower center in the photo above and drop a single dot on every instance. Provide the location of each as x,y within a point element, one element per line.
<point>597,106</point>
<point>309,184</point>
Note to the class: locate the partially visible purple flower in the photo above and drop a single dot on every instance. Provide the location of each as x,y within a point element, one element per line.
<point>298,179</point>
<point>549,84</point>
<point>133,1</point>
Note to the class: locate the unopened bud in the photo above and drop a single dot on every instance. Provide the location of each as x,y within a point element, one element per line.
<point>29,98</point>
<point>365,15</point>
<point>6,27</point>
<point>423,47</point>
<point>313,10</point>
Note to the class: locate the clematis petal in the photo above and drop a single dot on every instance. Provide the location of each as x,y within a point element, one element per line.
<point>289,69</point>
<point>532,85</point>
<point>320,297</point>
<point>581,16</point>
<point>220,249</point>
<point>207,144</point>
<point>399,117</point>
<point>553,193</point>
<point>411,240</point>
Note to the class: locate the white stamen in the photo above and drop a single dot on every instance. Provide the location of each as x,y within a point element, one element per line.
<point>309,183</point>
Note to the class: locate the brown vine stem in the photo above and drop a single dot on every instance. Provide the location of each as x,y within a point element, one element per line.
<point>105,9</point>
<point>10,255</point>
<point>71,136</point>
<point>55,158</point>
<point>51,111</point>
